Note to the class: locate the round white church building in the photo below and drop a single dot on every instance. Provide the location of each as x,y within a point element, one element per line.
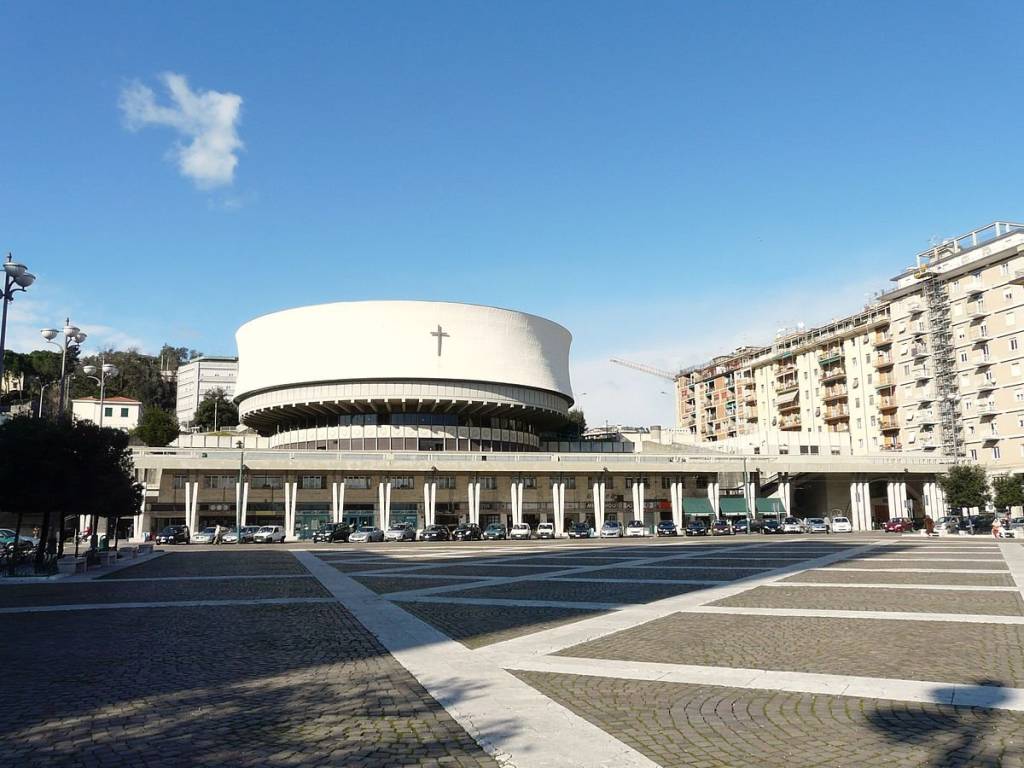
<point>403,375</point>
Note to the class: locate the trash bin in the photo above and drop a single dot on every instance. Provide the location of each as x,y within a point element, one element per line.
<point>104,545</point>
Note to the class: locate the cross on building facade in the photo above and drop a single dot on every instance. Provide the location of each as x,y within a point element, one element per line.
<point>441,335</point>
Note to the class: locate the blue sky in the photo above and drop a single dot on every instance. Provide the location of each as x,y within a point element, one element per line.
<point>668,180</point>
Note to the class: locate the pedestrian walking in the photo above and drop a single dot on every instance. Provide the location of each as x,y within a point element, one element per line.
<point>217,534</point>
<point>997,527</point>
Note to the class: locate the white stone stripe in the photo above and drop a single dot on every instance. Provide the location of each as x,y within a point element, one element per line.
<point>165,604</point>
<point>1013,554</point>
<point>591,580</point>
<point>956,694</point>
<point>1002,571</point>
<point>890,559</point>
<point>883,585</point>
<point>503,601</point>
<point>956,618</point>
<point>555,639</point>
<point>233,577</point>
<point>482,698</point>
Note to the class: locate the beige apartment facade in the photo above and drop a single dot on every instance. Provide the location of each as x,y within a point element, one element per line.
<point>935,365</point>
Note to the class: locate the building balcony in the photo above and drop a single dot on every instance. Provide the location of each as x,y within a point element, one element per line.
<point>987,385</point>
<point>1018,277</point>
<point>786,386</point>
<point>750,396</point>
<point>975,290</point>
<point>883,339</point>
<point>834,393</point>
<point>884,382</point>
<point>785,370</point>
<point>837,414</point>
<point>926,419</point>
<point>892,445</point>
<point>977,312</point>
<point>981,336</point>
<point>833,374</point>
<point>989,439</point>
<point>883,361</point>
<point>889,425</point>
<point>983,361</point>
<point>792,405</point>
<point>789,423</point>
<point>827,356</point>
<point>919,352</point>
<point>915,308</point>
<point>887,404</point>
<point>922,374</point>
<point>987,410</point>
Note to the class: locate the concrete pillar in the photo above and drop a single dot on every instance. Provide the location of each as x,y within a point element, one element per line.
<point>860,505</point>
<point>676,489</point>
<point>338,501</point>
<point>638,500</point>
<point>600,512</point>
<point>891,492</point>
<point>429,503</point>
<point>558,506</point>
<point>384,503</point>
<point>473,495</point>
<point>291,493</point>
<point>785,493</point>
<point>513,497</point>
<point>713,490</point>
<point>245,503</point>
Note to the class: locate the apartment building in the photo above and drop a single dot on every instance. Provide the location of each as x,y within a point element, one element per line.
<point>934,364</point>
<point>199,376</point>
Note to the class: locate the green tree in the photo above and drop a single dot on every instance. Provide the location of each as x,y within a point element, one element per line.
<point>103,474</point>
<point>157,427</point>
<point>216,411</point>
<point>1007,491</point>
<point>965,485</point>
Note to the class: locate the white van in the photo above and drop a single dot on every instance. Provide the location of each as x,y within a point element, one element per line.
<point>545,530</point>
<point>842,525</point>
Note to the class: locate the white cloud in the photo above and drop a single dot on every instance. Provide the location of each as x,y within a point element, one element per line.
<point>209,119</point>
<point>28,315</point>
<point>702,328</point>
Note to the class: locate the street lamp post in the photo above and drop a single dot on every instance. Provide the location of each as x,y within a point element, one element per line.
<point>16,278</point>
<point>238,507</point>
<point>105,369</point>
<point>72,339</point>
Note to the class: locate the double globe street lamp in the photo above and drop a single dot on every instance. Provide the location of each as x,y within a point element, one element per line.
<point>72,338</point>
<point>16,278</point>
<point>105,369</point>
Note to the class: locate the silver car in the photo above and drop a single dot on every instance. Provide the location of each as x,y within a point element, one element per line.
<point>816,525</point>
<point>400,532</point>
<point>204,536</point>
<point>611,530</point>
<point>366,533</point>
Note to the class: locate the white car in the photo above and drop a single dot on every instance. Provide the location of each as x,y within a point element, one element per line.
<point>400,532</point>
<point>520,531</point>
<point>366,533</point>
<point>842,525</point>
<point>636,528</point>
<point>545,530</point>
<point>792,525</point>
<point>269,534</point>
<point>948,525</point>
<point>611,529</point>
<point>204,536</point>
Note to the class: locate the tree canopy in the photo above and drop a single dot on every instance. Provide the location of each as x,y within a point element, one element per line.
<point>216,411</point>
<point>1007,491</point>
<point>157,427</point>
<point>965,485</point>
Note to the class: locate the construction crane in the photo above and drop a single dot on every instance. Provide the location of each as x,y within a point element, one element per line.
<point>645,369</point>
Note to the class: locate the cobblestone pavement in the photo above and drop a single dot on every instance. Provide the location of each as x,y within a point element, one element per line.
<point>292,683</point>
<point>834,646</point>
<point>688,725</point>
<point>249,685</point>
<point>867,599</point>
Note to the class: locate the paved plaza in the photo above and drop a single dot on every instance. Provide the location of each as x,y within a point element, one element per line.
<point>860,650</point>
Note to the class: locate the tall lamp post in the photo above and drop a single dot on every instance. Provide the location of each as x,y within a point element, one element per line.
<point>16,278</point>
<point>72,338</point>
<point>238,507</point>
<point>105,369</point>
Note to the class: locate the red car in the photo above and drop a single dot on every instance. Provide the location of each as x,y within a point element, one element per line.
<point>899,525</point>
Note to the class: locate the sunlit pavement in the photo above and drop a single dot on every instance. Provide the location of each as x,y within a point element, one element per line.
<point>853,650</point>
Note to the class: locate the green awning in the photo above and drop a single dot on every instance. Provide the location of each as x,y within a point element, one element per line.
<point>698,506</point>
<point>769,506</point>
<point>733,505</point>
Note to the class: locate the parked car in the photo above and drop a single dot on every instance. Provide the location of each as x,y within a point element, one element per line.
<point>520,531</point>
<point>1014,529</point>
<point>978,524</point>
<point>365,533</point>
<point>755,524</point>
<point>26,544</point>
<point>899,525</point>
<point>545,530</point>
<point>435,533</point>
<point>581,531</point>
<point>792,525</point>
<point>636,528</point>
<point>400,532</point>
<point>696,528</point>
<point>612,529</point>
<point>721,528</point>
<point>205,536</point>
<point>333,532</point>
<point>666,528</point>
<point>948,525</point>
<point>741,526</point>
<point>842,525</point>
<point>467,532</point>
<point>816,525</point>
<point>174,534</point>
<point>269,534</point>
<point>248,532</point>
<point>771,526</point>
<point>495,532</point>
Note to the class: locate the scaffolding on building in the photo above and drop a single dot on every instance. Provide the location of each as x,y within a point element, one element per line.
<point>943,360</point>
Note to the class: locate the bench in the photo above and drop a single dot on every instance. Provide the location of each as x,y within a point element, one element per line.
<point>70,565</point>
<point>145,549</point>
<point>128,553</point>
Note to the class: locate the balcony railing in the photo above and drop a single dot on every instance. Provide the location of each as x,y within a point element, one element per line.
<point>785,370</point>
<point>833,374</point>
<point>834,414</point>
<point>882,339</point>
<point>883,361</point>
<point>786,386</point>
<point>789,422</point>
<point>889,424</point>
<point>884,382</point>
<point>834,393</point>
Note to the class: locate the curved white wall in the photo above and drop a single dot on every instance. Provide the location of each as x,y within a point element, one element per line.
<point>392,340</point>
